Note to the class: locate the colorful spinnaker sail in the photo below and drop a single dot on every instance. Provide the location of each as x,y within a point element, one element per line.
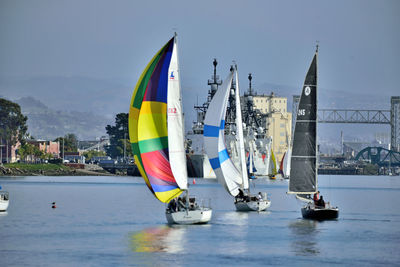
<point>156,125</point>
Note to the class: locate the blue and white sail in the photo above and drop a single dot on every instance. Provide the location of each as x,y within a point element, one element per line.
<point>251,168</point>
<point>214,140</point>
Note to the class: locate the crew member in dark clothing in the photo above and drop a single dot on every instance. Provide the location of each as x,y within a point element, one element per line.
<point>321,202</point>
<point>240,196</point>
<point>172,205</point>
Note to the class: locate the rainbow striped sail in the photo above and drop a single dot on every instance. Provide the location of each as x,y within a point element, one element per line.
<point>156,125</point>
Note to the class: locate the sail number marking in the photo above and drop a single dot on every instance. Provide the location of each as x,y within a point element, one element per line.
<point>171,110</point>
<point>301,112</point>
<point>307,90</point>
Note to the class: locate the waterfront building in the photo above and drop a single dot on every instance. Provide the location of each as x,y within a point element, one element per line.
<point>48,147</point>
<point>275,119</point>
<point>8,152</point>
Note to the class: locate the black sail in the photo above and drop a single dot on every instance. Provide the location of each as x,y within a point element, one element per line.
<point>303,174</point>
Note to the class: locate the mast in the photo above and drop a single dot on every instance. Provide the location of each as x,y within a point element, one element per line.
<point>214,83</point>
<point>316,117</point>
<point>251,117</point>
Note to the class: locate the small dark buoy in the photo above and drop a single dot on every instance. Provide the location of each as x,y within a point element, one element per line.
<point>53,205</point>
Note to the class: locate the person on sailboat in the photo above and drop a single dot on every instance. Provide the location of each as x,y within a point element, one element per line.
<point>172,205</point>
<point>181,203</point>
<point>260,197</point>
<point>321,202</point>
<point>316,198</point>
<point>240,196</point>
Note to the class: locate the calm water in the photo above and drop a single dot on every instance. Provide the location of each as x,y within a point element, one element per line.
<point>114,221</point>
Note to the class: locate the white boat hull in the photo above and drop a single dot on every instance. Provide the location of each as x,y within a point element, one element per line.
<point>4,200</point>
<point>3,205</point>
<point>258,205</point>
<point>198,216</point>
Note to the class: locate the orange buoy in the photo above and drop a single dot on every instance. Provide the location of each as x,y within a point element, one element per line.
<point>194,181</point>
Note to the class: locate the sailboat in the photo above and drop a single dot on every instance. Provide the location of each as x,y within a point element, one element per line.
<point>303,175</point>
<point>284,167</point>
<point>234,180</point>
<point>251,168</point>
<point>4,200</point>
<point>286,164</point>
<point>272,166</point>
<point>156,134</point>
<point>280,171</point>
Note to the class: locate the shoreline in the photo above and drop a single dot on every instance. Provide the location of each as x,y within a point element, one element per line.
<point>50,170</point>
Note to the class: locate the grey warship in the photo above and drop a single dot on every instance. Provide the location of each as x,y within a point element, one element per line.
<point>256,140</point>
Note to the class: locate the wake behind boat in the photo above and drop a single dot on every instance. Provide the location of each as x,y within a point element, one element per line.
<point>303,174</point>
<point>234,180</point>
<point>156,133</point>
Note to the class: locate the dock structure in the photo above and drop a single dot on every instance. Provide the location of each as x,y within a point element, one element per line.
<point>128,168</point>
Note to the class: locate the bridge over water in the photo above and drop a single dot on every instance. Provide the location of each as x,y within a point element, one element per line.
<point>391,117</point>
<point>380,156</point>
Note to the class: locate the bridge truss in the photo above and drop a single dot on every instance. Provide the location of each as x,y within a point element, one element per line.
<point>354,116</point>
<point>380,156</point>
<point>391,117</point>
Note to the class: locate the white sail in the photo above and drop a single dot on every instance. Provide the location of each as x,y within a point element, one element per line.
<point>177,154</point>
<point>286,163</point>
<point>239,134</point>
<point>214,140</point>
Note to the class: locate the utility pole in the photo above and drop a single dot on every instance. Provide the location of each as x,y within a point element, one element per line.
<point>341,142</point>
<point>1,153</point>
<point>63,150</point>
<point>124,147</point>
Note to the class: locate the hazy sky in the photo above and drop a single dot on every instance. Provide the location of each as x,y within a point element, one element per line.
<point>275,40</point>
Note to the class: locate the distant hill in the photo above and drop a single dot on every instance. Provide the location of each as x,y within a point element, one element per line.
<point>46,123</point>
<point>101,97</point>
